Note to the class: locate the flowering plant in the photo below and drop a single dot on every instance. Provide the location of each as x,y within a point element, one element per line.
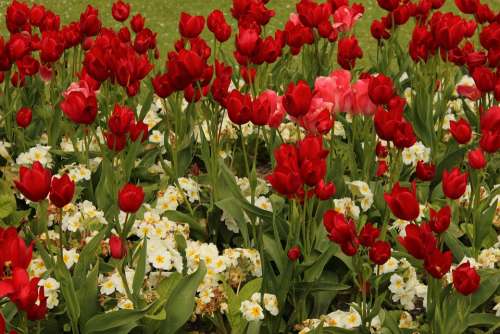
<point>269,183</point>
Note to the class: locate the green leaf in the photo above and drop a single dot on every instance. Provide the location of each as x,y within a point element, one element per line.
<point>180,305</point>
<point>489,284</point>
<point>140,270</point>
<point>69,293</point>
<point>87,296</point>
<point>7,204</point>
<point>476,319</point>
<point>87,257</point>
<point>114,321</point>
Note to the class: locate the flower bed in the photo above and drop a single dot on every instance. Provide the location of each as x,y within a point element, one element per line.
<point>254,182</point>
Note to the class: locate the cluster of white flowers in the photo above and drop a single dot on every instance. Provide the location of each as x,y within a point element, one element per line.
<point>413,154</point>
<point>113,282</point>
<point>77,172</point>
<point>348,320</point>
<point>252,310</point>
<point>168,200</point>
<point>152,225</point>
<point>51,291</point>
<point>81,216</point>
<point>152,118</point>
<point>362,192</point>
<point>67,144</point>
<point>191,188</point>
<point>405,286</point>
<point>38,153</point>
<point>347,207</point>
<point>70,257</point>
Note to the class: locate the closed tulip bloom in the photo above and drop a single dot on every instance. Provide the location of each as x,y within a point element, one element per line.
<point>324,191</point>
<point>297,99</point>
<point>419,240</point>
<point>120,119</point>
<point>217,24</point>
<point>380,252</point>
<point>380,89</point>
<point>191,26</point>
<point>80,103</point>
<point>476,158</point>
<point>341,231</point>
<point>34,182</point>
<point>137,23</point>
<point>120,10</point>
<point>403,202</point>
<point>388,5</point>
<point>440,220</point>
<point>247,41</point>
<point>437,263</point>
<point>117,247</point>
<point>368,235</point>
<point>484,78</point>
<point>348,52</point>
<point>425,171</point>
<point>294,253</point>
<point>263,107</point>
<point>138,130</point>
<point>239,107</point>
<point>23,117</point>
<point>454,183</point>
<point>461,131</point>
<point>467,6</point>
<point>130,198</point>
<point>62,190</point>
<point>465,279</point>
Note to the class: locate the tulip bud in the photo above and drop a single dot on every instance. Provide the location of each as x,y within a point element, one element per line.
<point>461,131</point>
<point>23,117</point>
<point>294,253</point>
<point>117,247</point>
<point>454,183</point>
<point>476,159</point>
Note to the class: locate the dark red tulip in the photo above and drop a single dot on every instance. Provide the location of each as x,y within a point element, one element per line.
<point>368,235</point>
<point>34,182</point>
<point>425,171</point>
<point>476,158</point>
<point>380,89</point>
<point>120,10</point>
<point>117,247</point>
<point>437,263</point>
<point>419,240</point>
<point>380,252</point>
<point>61,190</point>
<point>440,220</point>
<point>454,183</point>
<point>23,117</point>
<point>465,279</point>
<point>191,26</point>
<point>130,198</point>
<point>403,202</point>
<point>294,253</point>
<point>461,131</point>
<point>297,99</point>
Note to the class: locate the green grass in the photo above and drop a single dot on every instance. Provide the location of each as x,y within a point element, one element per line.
<point>162,15</point>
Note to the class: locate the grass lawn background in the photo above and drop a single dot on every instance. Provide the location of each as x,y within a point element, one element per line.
<point>162,15</point>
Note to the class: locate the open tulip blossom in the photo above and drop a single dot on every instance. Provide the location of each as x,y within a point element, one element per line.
<point>305,170</point>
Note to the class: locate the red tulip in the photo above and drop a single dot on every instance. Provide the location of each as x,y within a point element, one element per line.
<point>490,130</point>
<point>191,26</point>
<point>117,246</point>
<point>380,89</point>
<point>23,117</point>
<point>341,231</point>
<point>440,220</point>
<point>120,120</point>
<point>247,41</point>
<point>476,159</point>
<point>388,5</point>
<point>454,183</point>
<point>382,168</point>
<point>138,130</point>
<point>386,122</point>
<point>403,202</point>
<point>348,52</point>
<point>294,253</point>
<point>120,10</point>
<point>115,142</point>
<point>25,293</point>
<point>438,264</point>
<point>380,252</point>
<point>34,182</point>
<point>263,107</point>
<point>368,235</point>
<point>130,198</point>
<point>324,191</point>
<point>239,107</point>
<point>378,30</point>
<point>461,131</point>
<point>404,136</point>
<point>137,23</point>
<point>80,103</point>
<point>61,191</point>
<point>418,240</point>
<point>217,24</point>
<point>484,79</point>
<point>162,86</point>
<point>465,279</point>
<point>297,99</point>
<point>90,24</point>
<point>467,6</point>
<point>425,171</point>
<point>285,178</point>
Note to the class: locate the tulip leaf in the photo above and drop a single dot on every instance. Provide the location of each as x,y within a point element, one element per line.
<point>180,304</point>
<point>87,256</point>
<point>87,295</point>
<point>69,293</point>
<point>115,321</point>
<point>140,270</point>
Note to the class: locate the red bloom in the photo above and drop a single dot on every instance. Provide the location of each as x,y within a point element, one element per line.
<point>18,46</point>
<point>120,120</point>
<point>378,30</point>
<point>418,240</point>
<point>51,46</point>
<point>465,279</point>
<point>404,136</point>
<point>454,183</point>
<point>312,160</point>
<point>130,198</point>
<point>285,178</point>
<point>138,130</point>
<point>80,103</point>
<point>476,158</point>
<point>324,191</point>
<point>438,264</point>
<point>386,122</point>
<point>137,23</point>
<point>380,252</point>
<point>239,107</point>
<point>294,253</point>
<point>348,52</point>
<point>118,248</point>
<point>62,190</point>
<point>490,130</point>
<point>162,86</point>
<point>263,107</point>
<point>14,251</point>
<point>90,24</point>
<point>34,182</point>
<point>120,10</point>
<point>461,131</point>
<point>341,231</point>
<point>403,202</point>
<point>368,235</point>
<point>382,168</point>
<point>467,6</point>
<point>247,41</point>
<point>425,171</point>
<point>216,23</point>
<point>388,5</point>
<point>115,142</point>
<point>23,117</point>
<point>380,89</point>
<point>17,17</point>
<point>484,79</point>
<point>297,99</point>
<point>440,220</point>
<point>191,26</point>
